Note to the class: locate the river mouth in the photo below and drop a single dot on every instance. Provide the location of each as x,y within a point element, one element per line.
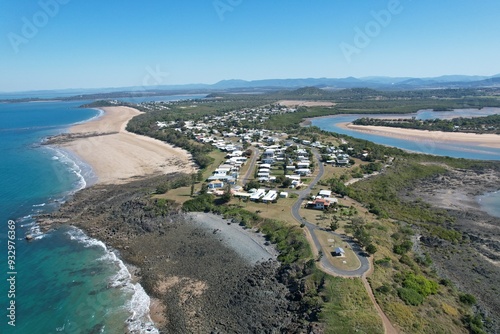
<point>434,145</point>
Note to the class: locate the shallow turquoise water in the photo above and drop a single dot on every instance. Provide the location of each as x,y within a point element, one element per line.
<point>65,282</point>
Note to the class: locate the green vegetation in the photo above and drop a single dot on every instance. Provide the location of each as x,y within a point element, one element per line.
<point>487,124</point>
<point>405,286</point>
<point>467,299</point>
<point>182,180</point>
<point>410,296</point>
<point>382,196</point>
<point>347,307</point>
<point>420,284</point>
<point>288,239</point>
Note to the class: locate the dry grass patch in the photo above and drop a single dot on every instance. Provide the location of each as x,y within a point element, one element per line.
<point>282,210</point>
<point>329,242</point>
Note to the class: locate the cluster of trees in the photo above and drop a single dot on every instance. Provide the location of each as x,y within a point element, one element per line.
<point>145,124</point>
<point>487,124</point>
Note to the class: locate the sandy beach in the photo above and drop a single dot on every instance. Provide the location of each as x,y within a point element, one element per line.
<point>486,140</point>
<point>118,155</point>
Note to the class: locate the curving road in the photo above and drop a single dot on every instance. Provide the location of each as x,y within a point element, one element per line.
<point>325,264</point>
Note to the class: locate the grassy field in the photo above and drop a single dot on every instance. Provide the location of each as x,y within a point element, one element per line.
<point>183,194</point>
<point>282,210</point>
<point>329,242</point>
<point>348,308</point>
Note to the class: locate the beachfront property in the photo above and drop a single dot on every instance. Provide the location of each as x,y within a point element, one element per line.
<point>217,184</point>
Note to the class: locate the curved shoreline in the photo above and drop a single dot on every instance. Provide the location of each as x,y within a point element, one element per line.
<point>104,160</point>
<point>87,144</point>
<point>120,156</point>
<point>483,140</point>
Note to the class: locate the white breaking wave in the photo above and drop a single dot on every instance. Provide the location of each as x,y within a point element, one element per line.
<point>99,114</point>
<point>140,321</point>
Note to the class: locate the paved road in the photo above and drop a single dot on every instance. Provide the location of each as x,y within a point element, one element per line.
<point>251,167</point>
<point>303,194</point>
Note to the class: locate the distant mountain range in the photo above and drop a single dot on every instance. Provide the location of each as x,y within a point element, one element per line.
<point>376,82</point>
<point>381,83</point>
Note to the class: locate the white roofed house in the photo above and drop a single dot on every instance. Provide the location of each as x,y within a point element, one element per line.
<point>325,193</point>
<point>270,196</point>
<point>269,153</point>
<point>303,171</point>
<point>293,177</point>
<point>303,164</point>
<point>258,194</point>
<point>217,184</point>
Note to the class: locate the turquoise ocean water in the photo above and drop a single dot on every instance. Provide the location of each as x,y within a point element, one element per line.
<point>65,282</point>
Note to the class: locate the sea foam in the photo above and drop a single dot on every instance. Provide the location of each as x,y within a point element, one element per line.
<point>138,305</point>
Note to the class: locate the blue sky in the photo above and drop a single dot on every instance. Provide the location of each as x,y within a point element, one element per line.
<point>92,44</point>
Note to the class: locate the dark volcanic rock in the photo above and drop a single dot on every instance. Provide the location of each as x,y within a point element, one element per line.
<point>204,286</point>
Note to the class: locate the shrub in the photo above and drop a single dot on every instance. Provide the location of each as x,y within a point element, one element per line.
<point>403,247</point>
<point>371,249</point>
<point>474,323</point>
<point>467,299</point>
<point>410,296</point>
<point>385,262</point>
<point>384,289</point>
<point>420,284</point>
<point>201,203</point>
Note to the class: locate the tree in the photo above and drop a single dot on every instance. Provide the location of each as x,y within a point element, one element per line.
<point>371,249</point>
<point>204,189</point>
<point>334,225</point>
<point>362,235</point>
<point>287,183</point>
<point>251,185</point>
<point>226,197</point>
